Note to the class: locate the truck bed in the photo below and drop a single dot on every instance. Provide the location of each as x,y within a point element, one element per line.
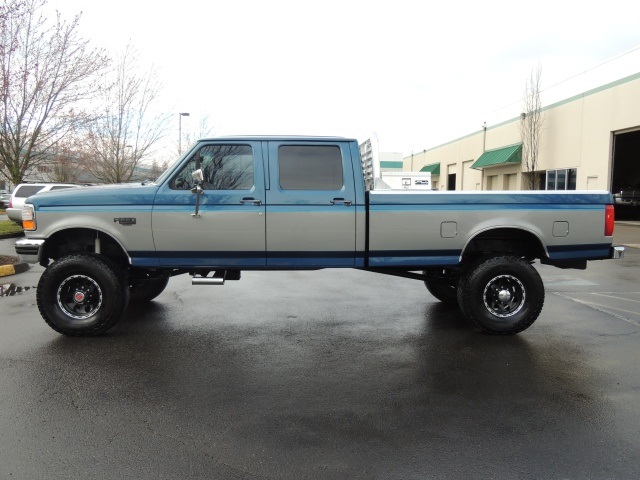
<point>434,228</point>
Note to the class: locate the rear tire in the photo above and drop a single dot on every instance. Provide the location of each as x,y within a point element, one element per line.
<point>444,291</point>
<point>501,295</point>
<point>82,295</point>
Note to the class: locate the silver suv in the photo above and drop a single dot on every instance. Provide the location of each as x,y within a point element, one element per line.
<point>25,190</point>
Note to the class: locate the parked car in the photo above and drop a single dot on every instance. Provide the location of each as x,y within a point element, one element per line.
<point>630,197</point>
<point>25,190</point>
<point>4,199</point>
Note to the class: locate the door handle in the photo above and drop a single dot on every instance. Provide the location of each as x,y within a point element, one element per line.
<point>250,201</point>
<point>340,201</point>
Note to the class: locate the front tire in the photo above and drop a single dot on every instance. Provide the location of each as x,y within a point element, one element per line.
<point>501,295</point>
<point>82,295</point>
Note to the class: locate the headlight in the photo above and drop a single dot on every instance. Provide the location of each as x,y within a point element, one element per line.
<point>28,217</point>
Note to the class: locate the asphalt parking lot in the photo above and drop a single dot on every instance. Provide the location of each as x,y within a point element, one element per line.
<point>327,374</point>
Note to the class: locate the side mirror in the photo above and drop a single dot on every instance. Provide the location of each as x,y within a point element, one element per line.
<point>197,176</point>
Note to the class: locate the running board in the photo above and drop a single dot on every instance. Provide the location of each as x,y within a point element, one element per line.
<point>199,280</point>
<point>218,277</point>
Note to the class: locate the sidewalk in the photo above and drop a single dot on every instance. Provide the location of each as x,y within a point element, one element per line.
<point>627,233</point>
<point>7,248</point>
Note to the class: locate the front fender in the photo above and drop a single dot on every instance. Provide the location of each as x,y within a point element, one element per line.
<point>130,227</point>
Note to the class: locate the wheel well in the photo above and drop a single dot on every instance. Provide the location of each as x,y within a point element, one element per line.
<point>505,241</point>
<point>83,240</point>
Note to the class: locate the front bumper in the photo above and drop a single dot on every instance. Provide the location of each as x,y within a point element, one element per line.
<point>29,249</point>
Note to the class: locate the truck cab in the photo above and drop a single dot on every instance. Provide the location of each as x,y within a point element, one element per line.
<point>305,187</point>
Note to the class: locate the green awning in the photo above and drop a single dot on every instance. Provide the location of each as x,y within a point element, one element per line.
<point>499,156</point>
<point>433,169</point>
<point>391,164</point>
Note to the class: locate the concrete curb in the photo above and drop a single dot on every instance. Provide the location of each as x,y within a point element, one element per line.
<point>11,235</point>
<point>12,269</point>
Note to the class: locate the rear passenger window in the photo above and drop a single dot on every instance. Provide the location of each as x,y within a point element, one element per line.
<point>28,190</point>
<point>310,167</point>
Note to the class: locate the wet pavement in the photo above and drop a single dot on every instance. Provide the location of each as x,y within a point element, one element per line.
<point>327,374</point>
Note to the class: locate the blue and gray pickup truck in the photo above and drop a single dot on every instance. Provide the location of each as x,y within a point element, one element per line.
<point>288,203</point>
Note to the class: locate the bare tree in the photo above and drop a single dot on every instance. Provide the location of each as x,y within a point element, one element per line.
<point>203,130</point>
<point>66,163</point>
<point>189,136</point>
<point>531,128</point>
<point>46,72</point>
<point>64,169</point>
<point>155,171</point>
<point>127,128</point>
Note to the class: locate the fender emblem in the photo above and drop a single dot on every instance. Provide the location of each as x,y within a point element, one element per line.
<point>125,221</point>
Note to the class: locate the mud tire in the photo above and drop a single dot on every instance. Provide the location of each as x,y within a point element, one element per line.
<point>82,295</point>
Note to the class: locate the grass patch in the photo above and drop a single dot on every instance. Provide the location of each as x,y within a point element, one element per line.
<point>9,226</point>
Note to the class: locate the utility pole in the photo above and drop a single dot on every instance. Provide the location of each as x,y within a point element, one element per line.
<point>180,115</point>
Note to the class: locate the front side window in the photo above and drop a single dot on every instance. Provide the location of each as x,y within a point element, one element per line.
<point>310,167</point>
<point>224,167</point>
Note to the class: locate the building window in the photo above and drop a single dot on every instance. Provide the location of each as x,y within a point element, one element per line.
<point>571,178</point>
<point>562,179</point>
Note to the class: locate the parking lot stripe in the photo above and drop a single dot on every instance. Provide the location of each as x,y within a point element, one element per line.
<point>608,295</point>
<point>603,309</point>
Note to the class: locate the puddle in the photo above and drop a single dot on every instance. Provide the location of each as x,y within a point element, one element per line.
<point>11,289</point>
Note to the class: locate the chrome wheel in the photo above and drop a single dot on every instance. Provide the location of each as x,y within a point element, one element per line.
<point>79,296</point>
<point>504,296</point>
<point>501,295</point>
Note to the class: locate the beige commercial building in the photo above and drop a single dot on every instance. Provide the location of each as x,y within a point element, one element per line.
<point>590,141</point>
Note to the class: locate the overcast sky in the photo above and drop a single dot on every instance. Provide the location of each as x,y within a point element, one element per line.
<point>417,74</point>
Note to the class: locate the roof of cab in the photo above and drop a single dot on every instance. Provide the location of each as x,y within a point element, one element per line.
<point>266,138</point>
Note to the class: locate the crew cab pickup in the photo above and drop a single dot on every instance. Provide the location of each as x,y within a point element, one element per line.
<point>283,203</point>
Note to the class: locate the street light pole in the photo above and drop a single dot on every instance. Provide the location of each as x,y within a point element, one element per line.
<point>180,115</point>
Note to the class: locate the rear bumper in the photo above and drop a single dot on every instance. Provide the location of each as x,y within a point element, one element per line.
<point>14,214</point>
<point>29,250</point>
<point>617,252</point>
